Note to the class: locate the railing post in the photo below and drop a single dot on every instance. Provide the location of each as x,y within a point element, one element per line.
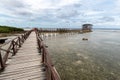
<point>40,47</point>
<point>13,48</point>
<point>22,38</point>
<point>48,73</point>
<point>1,61</point>
<point>52,77</point>
<point>19,42</point>
<point>43,55</point>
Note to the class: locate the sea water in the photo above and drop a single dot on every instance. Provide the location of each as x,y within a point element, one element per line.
<point>97,58</point>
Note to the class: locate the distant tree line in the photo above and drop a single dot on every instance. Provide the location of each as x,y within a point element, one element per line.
<point>8,29</point>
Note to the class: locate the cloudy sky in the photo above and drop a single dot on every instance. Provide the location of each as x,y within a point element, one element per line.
<point>60,13</point>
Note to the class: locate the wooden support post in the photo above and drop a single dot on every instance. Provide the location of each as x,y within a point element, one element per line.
<point>13,48</point>
<point>19,42</point>
<point>40,47</point>
<point>43,56</point>
<point>22,38</point>
<point>1,62</point>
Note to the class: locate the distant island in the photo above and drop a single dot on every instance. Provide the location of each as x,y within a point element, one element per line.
<point>8,29</point>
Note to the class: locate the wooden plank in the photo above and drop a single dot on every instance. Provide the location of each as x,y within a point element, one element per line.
<point>22,69</point>
<point>23,75</point>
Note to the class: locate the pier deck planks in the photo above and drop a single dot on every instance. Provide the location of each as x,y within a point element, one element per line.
<point>26,64</point>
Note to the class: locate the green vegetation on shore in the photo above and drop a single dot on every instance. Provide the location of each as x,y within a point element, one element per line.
<point>8,29</point>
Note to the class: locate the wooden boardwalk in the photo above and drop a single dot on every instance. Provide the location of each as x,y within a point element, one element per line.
<point>26,65</point>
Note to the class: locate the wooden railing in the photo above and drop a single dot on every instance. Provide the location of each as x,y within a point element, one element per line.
<point>51,73</point>
<point>12,47</point>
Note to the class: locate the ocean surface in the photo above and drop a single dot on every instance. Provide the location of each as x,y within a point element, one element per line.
<point>97,58</point>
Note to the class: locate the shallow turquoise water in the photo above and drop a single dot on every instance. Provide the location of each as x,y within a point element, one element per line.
<point>95,59</point>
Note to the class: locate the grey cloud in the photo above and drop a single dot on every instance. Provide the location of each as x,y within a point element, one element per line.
<point>69,11</point>
<point>17,4</point>
<point>23,13</point>
<point>107,19</point>
<point>53,1</point>
<point>46,17</point>
<point>12,4</point>
<point>68,14</point>
<point>77,5</point>
<point>15,7</point>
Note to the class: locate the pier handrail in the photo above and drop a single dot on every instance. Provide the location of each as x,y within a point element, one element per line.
<point>15,44</point>
<point>51,72</point>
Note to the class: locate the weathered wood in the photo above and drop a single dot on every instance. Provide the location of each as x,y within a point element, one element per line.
<point>1,61</point>
<point>26,65</point>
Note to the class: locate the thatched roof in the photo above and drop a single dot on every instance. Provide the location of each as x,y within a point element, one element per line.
<point>87,25</point>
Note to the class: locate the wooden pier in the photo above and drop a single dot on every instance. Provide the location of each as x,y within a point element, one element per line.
<point>27,63</point>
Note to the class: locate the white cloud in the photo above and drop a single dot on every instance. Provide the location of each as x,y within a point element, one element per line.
<point>48,4</point>
<point>68,2</point>
<point>92,12</point>
<point>68,12</point>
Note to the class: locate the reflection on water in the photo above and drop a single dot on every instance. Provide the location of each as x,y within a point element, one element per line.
<point>95,59</point>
